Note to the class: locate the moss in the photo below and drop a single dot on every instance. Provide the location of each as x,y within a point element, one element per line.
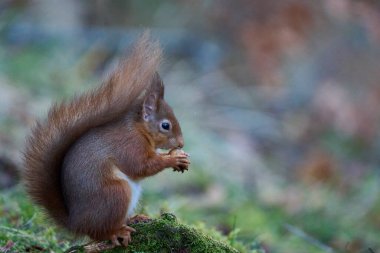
<point>24,228</point>
<point>165,234</point>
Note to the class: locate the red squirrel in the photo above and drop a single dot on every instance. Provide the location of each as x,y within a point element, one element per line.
<point>83,164</point>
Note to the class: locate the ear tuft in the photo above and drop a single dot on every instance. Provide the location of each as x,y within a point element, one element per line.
<point>158,85</point>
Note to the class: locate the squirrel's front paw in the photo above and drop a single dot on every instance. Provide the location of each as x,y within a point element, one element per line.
<point>181,160</point>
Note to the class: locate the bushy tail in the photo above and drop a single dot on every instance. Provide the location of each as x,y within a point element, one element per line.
<point>66,122</point>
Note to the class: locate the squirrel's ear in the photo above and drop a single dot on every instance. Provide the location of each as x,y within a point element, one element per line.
<point>155,93</point>
<point>150,106</point>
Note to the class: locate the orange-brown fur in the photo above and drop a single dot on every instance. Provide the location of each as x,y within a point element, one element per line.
<point>71,158</point>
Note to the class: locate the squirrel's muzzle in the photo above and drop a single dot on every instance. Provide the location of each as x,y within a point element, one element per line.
<point>180,142</point>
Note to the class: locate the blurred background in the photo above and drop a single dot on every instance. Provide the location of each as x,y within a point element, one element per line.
<point>279,102</point>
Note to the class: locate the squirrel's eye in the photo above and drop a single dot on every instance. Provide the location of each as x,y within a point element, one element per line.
<point>165,125</point>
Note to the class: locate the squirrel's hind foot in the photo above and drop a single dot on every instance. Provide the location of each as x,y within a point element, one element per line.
<point>124,233</point>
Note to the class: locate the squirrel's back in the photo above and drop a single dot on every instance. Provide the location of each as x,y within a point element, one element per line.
<point>67,122</point>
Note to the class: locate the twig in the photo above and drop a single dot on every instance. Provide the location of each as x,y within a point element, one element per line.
<point>303,235</point>
<point>26,224</point>
<point>16,231</point>
<point>92,247</point>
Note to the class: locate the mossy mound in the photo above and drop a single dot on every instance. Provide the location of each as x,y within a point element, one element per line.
<point>165,234</point>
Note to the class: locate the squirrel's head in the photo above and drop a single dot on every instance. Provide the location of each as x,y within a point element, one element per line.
<point>159,118</point>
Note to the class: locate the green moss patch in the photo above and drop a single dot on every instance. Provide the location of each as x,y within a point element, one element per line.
<point>165,234</point>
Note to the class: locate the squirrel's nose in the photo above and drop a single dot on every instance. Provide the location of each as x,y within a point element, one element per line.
<point>180,142</point>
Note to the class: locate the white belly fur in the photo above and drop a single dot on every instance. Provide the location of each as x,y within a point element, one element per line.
<point>135,190</point>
